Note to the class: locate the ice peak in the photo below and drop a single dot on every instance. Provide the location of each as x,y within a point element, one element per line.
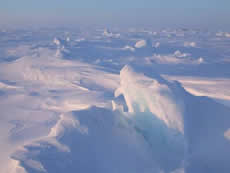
<point>144,94</point>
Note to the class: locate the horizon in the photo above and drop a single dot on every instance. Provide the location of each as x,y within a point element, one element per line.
<point>195,14</point>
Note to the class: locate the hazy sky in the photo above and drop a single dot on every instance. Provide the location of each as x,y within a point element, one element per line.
<point>205,13</point>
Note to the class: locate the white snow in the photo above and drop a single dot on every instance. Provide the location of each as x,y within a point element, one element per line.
<point>151,104</point>
<point>181,55</point>
<point>223,34</point>
<point>227,35</point>
<point>176,58</point>
<point>107,33</point>
<point>132,49</point>
<point>217,88</point>
<point>141,44</point>
<point>190,44</point>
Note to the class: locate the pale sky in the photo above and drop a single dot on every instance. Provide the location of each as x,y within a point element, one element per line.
<point>204,13</point>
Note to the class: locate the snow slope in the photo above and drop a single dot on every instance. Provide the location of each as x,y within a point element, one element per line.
<point>156,134</point>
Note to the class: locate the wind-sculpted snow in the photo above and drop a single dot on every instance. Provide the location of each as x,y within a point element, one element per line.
<point>165,130</point>
<point>215,88</point>
<point>38,89</point>
<point>101,141</point>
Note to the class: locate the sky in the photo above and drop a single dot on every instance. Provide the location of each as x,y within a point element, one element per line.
<point>204,13</point>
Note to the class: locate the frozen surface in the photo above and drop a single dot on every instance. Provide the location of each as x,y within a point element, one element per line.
<point>114,100</point>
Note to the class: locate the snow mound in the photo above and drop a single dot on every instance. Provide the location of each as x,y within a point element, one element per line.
<point>111,144</point>
<point>141,44</point>
<point>223,34</point>
<point>190,44</point>
<point>107,33</point>
<point>174,59</point>
<point>130,48</point>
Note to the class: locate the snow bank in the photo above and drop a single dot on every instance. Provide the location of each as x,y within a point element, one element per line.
<point>111,144</point>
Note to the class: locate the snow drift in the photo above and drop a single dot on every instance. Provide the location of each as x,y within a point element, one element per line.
<point>165,129</point>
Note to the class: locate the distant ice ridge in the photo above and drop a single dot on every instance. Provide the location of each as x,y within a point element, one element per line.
<point>190,44</point>
<point>141,45</point>
<point>223,34</point>
<point>176,58</point>
<point>107,33</point>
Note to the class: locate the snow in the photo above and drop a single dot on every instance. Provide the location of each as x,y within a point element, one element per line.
<point>216,88</point>
<point>227,35</point>
<point>223,34</point>
<point>190,44</point>
<point>141,44</point>
<point>129,48</point>
<point>93,100</point>
<point>227,134</point>
<point>176,58</point>
<point>15,167</point>
<point>107,33</point>
<point>157,44</point>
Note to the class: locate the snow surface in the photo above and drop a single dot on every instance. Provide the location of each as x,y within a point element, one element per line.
<point>108,101</point>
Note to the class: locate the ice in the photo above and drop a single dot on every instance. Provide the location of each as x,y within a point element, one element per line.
<point>155,107</point>
<point>141,44</point>
<point>157,98</point>
<point>190,44</point>
<point>158,106</point>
